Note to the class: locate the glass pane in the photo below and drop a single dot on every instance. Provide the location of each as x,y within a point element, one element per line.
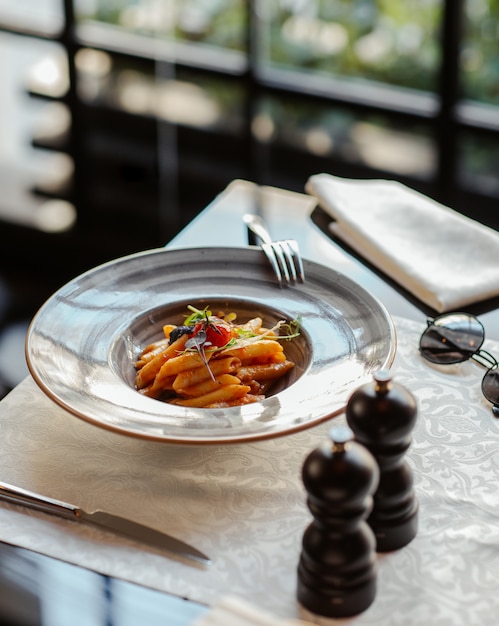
<point>35,68</point>
<point>133,86</point>
<point>480,52</point>
<point>32,15</point>
<point>381,40</point>
<point>368,140</point>
<point>478,163</point>
<point>214,22</point>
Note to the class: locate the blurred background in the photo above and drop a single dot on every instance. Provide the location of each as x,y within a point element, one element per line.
<point>122,119</point>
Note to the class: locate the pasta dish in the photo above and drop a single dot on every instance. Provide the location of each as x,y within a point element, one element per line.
<point>213,362</point>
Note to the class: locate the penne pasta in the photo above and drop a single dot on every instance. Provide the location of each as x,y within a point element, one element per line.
<point>208,385</point>
<point>249,398</point>
<point>212,362</point>
<point>150,352</point>
<point>181,363</point>
<point>198,375</point>
<point>167,329</point>
<point>262,349</point>
<point>226,393</point>
<point>253,325</point>
<point>157,389</point>
<point>148,372</point>
<point>267,371</point>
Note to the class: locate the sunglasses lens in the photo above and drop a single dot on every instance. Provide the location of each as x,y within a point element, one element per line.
<point>490,385</point>
<point>452,338</point>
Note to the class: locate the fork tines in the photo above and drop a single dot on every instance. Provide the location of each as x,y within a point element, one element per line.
<point>285,258</point>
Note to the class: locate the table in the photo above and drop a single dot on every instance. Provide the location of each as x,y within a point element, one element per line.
<point>446,575</point>
<point>292,215</point>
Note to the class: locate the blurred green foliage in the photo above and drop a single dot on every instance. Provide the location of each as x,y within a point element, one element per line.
<point>391,42</point>
<point>388,41</point>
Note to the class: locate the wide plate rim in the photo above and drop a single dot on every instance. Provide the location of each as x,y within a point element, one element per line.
<point>200,440</point>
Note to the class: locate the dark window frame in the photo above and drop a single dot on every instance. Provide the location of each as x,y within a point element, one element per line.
<point>443,111</point>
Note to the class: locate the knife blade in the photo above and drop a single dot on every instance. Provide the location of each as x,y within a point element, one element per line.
<point>108,521</point>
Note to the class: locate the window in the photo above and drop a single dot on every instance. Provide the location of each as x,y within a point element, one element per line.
<point>405,90</point>
<point>158,104</point>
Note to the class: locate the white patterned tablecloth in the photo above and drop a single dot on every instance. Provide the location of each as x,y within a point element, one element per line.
<point>244,505</point>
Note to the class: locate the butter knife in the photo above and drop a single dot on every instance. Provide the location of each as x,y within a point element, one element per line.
<point>114,523</point>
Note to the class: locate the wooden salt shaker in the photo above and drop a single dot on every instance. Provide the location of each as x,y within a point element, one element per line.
<point>337,567</point>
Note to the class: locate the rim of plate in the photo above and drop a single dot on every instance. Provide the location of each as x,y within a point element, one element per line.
<point>85,376</point>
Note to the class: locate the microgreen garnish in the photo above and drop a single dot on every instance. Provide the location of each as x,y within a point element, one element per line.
<point>197,315</point>
<point>292,328</point>
<point>198,342</point>
<point>208,331</point>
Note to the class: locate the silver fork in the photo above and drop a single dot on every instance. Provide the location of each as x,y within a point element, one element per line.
<point>283,255</point>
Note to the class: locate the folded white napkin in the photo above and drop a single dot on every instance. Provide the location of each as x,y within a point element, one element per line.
<point>234,611</point>
<point>445,259</point>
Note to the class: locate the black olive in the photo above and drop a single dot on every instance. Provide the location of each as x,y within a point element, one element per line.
<point>178,332</point>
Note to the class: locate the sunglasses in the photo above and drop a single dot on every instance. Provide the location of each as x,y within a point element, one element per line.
<point>457,337</point>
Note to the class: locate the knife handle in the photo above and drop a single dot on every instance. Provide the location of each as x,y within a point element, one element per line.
<point>17,495</point>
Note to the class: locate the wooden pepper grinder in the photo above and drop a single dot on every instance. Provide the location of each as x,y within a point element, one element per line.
<point>382,415</point>
<point>336,570</point>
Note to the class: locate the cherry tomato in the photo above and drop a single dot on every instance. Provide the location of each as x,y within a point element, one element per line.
<point>218,335</point>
